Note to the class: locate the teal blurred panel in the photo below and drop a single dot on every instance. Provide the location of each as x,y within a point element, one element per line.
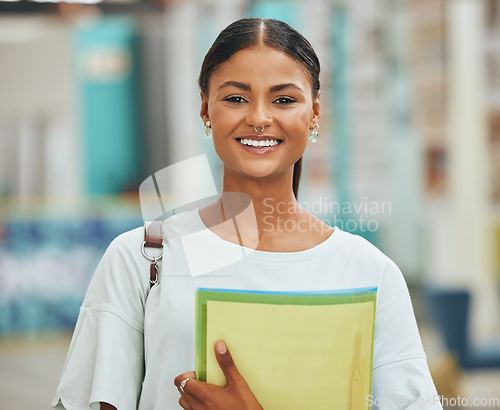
<point>340,115</point>
<point>109,108</point>
<point>283,10</point>
<point>342,125</point>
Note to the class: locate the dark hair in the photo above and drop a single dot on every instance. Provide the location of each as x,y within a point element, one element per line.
<point>250,32</point>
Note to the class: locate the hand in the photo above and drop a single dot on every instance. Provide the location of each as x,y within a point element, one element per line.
<point>234,395</point>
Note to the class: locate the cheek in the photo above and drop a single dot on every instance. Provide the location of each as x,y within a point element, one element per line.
<point>296,124</point>
<point>223,121</point>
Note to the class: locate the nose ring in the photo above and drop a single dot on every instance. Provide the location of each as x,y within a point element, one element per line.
<point>256,130</point>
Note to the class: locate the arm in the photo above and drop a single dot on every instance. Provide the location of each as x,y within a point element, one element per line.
<point>400,376</point>
<point>109,331</point>
<point>234,395</point>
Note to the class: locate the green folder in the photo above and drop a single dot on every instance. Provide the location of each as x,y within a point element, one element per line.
<point>296,350</point>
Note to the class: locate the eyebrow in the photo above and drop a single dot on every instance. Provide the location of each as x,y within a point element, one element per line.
<point>281,87</point>
<point>246,87</point>
<point>236,84</point>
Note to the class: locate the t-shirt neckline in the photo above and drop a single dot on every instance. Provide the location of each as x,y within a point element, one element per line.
<point>232,247</point>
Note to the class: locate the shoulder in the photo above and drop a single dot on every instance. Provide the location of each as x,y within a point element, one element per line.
<point>182,223</point>
<point>127,246</point>
<point>362,251</point>
<point>122,270</point>
<point>174,226</point>
<point>361,261</point>
<point>127,241</point>
<point>357,242</point>
<point>125,250</point>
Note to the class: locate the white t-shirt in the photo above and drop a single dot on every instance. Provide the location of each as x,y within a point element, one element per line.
<point>130,342</point>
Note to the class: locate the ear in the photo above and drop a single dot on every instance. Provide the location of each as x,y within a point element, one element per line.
<point>204,107</point>
<point>316,110</point>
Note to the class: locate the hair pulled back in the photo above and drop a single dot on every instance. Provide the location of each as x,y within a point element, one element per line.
<point>251,32</point>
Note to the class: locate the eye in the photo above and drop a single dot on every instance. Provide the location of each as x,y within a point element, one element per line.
<point>285,100</point>
<point>237,99</point>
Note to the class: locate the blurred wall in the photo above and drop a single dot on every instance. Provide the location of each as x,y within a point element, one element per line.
<point>39,136</point>
<point>408,142</point>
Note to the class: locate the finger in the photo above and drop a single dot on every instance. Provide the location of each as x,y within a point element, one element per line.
<point>226,362</point>
<point>183,380</point>
<point>189,401</point>
<point>184,404</point>
<point>179,379</point>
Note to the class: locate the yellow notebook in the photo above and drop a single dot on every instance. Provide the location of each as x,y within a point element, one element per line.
<point>296,350</point>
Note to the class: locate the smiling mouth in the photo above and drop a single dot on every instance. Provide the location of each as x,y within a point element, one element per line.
<point>259,143</point>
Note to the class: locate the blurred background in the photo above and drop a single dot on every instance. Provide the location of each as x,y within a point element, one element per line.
<point>96,96</point>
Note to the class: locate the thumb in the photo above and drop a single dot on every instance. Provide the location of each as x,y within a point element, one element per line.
<point>226,363</point>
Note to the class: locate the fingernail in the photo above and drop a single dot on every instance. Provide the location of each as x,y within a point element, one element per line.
<point>221,347</point>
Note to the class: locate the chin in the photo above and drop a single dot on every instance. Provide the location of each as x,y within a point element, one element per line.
<point>256,169</point>
<point>259,172</point>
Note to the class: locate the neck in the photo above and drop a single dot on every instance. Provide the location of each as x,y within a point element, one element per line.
<point>263,213</point>
<point>268,195</point>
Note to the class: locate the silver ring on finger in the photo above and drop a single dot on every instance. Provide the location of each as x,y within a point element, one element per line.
<point>183,384</point>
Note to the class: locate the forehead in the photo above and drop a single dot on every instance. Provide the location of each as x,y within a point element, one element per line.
<point>261,66</point>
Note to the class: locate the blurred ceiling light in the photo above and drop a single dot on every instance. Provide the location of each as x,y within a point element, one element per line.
<point>79,1</point>
<point>65,1</point>
<point>86,1</point>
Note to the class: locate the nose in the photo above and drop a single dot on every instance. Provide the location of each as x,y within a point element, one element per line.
<point>258,116</point>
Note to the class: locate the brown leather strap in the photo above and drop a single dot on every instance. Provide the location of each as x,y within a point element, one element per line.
<point>153,274</point>
<point>153,238</point>
<point>153,235</point>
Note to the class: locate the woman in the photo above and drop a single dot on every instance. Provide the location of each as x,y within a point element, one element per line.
<point>134,348</point>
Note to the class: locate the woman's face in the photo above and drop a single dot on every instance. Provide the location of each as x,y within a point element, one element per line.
<point>266,89</point>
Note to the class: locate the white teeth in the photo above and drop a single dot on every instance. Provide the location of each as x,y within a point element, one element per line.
<point>255,143</point>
